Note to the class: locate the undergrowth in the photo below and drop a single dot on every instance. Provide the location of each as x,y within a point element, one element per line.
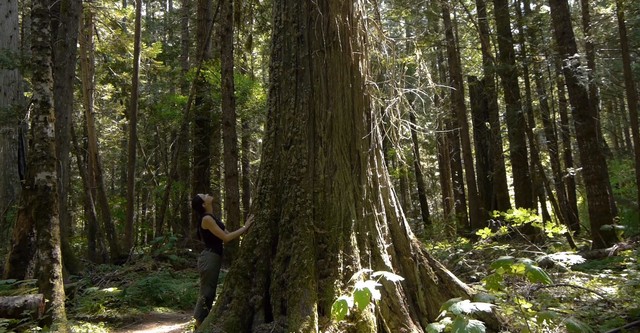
<point>580,295</point>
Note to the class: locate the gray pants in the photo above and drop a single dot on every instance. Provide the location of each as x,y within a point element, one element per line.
<point>209,267</point>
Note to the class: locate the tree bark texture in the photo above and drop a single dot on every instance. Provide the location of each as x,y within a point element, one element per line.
<point>65,20</point>
<point>203,109</point>
<point>40,196</point>
<point>324,207</point>
<point>22,306</point>
<point>497,173</point>
<point>94,170</point>
<point>462,124</point>
<point>129,231</point>
<point>229,130</point>
<point>522,186</point>
<point>602,209</point>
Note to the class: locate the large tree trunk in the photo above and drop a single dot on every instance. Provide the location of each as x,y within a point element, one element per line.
<point>602,208</point>
<point>325,207</point>
<point>40,196</point>
<point>64,71</point>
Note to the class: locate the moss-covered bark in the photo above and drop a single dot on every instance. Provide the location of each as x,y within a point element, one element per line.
<point>325,208</point>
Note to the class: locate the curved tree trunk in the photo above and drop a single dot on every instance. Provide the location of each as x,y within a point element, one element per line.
<point>325,208</point>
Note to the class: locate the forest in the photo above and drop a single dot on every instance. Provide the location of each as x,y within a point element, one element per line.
<point>380,165</point>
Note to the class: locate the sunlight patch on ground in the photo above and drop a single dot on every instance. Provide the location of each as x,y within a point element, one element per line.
<point>162,329</point>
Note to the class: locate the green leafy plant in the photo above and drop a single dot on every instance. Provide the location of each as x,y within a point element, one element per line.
<point>506,266</point>
<point>364,293</point>
<point>514,218</point>
<point>456,315</point>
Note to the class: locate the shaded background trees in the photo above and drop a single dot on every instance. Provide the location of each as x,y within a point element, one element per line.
<point>484,106</point>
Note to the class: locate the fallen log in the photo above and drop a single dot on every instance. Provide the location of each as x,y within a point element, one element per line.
<point>612,251</point>
<point>22,306</point>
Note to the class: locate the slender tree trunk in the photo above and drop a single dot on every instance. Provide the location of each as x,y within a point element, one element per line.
<point>324,192</point>
<point>538,176</point>
<point>460,111</point>
<point>630,89</point>
<point>568,173</point>
<point>64,70</point>
<point>602,209</point>
<point>133,134</point>
<point>590,50</point>
<point>522,186</point>
<point>230,136</point>
<point>482,142</point>
<point>564,212</point>
<point>40,196</point>
<point>202,130</point>
<point>417,168</point>
<point>95,165</point>
<point>497,174</point>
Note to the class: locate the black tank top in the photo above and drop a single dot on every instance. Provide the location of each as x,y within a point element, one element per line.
<point>211,242</point>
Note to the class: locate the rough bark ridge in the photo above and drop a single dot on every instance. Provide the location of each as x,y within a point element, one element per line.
<point>325,208</point>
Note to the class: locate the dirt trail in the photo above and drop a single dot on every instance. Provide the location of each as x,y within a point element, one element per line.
<point>155,322</point>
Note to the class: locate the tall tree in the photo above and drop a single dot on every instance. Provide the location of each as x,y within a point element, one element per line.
<point>202,119</point>
<point>39,195</point>
<point>65,43</point>
<point>496,176</point>
<point>133,133</point>
<point>566,215</point>
<point>602,208</point>
<point>229,132</point>
<point>461,123</point>
<point>324,206</point>
<point>522,186</point>
<point>94,169</point>
<point>12,108</point>
<point>630,89</point>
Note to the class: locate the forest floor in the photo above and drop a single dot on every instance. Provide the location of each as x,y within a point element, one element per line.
<point>156,292</point>
<point>159,322</point>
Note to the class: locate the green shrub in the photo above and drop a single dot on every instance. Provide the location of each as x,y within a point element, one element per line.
<point>163,289</point>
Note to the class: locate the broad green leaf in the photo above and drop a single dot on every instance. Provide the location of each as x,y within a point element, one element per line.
<point>574,325</point>
<point>449,303</point>
<point>371,285</point>
<point>362,298</point>
<point>503,262</point>
<point>388,275</point>
<point>537,274</point>
<point>459,325</point>
<point>340,308</point>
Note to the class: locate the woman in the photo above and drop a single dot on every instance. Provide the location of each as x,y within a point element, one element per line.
<point>212,232</point>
